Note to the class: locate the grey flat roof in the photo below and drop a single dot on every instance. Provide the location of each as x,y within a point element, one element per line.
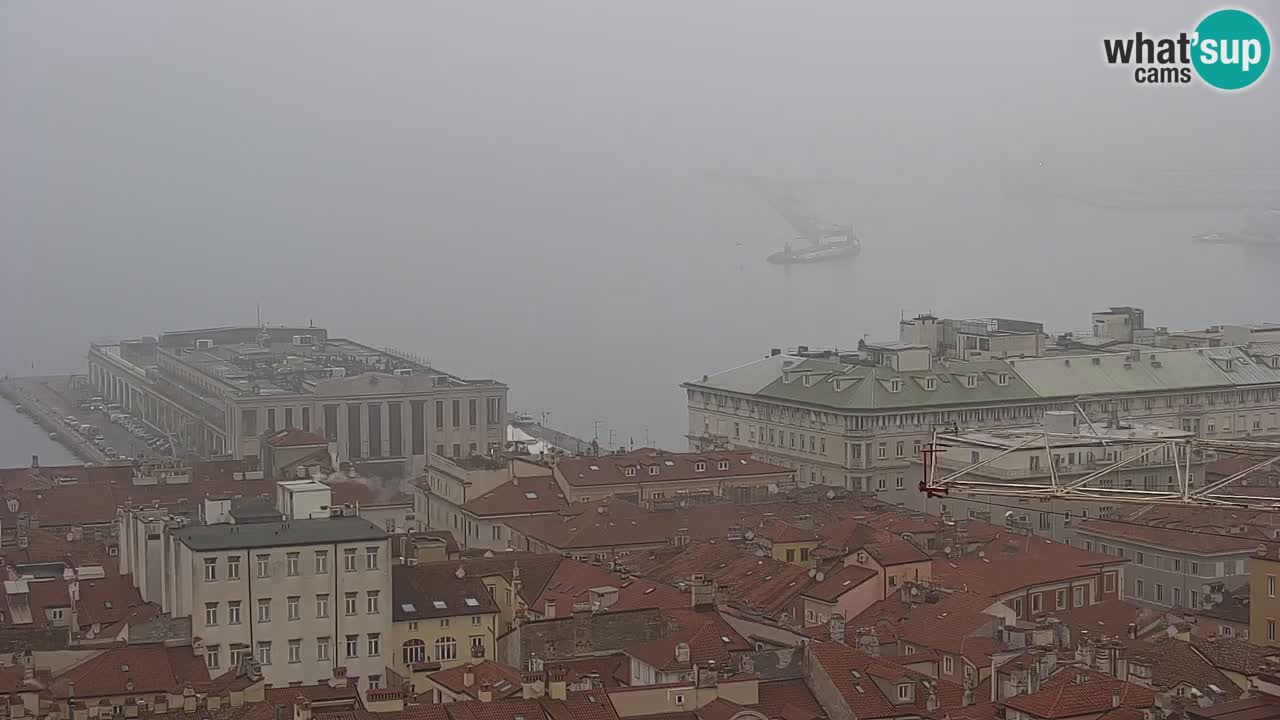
<point>323,531</point>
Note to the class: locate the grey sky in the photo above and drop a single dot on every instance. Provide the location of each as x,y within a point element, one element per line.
<point>520,189</point>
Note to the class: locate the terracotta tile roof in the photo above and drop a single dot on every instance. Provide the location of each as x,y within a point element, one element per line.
<point>502,680</point>
<point>1165,537</point>
<point>573,581</point>
<point>531,496</point>
<point>433,590</point>
<point>11,679</point>
<point>325,699</point>
<point>839,582</point>
<point>581,705</point>
<point>707,634</point>
<point>106,601</point>
<point>1234,654</point>
<point>1175,662</point>
<point>847,669</point>
<point>504,710</point>
<point>978,711</point>
<point>895,552</point>
<point>777,531</point>
<point>1109,617</point>
<point>958,624</point>
<point>769,585</point>
<point>1018,562</point>
<point>612,670</point>
<point>586,472</point>
<point>789,699</point>
<point>535,570</point>
<point>1061,696</point>
<point>1258,707</point>
<point>136,669</point>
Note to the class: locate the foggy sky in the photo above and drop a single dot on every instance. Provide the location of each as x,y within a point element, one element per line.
<point>521,189</point>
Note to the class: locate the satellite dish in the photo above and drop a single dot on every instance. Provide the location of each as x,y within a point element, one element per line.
<point>1008,514</point>
<point>947,550</point>
<point>820,577</point>
<point>831,494</point>
<point>751,534</point>
<point>812,572</point>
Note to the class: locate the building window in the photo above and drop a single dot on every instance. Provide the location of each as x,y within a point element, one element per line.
<point>306,419</point>
<point>233,567</point>
<point>1060,600</point>
<point>491,411</point>
<point>1195,599</point>
<point>653,469</point>
<point>264,610</point>
<point>349,559</point>
<point>352,600</point>
<point>1077,596</point>
<point>371,558</point>
<point>322,648</point>
<point>1159,593</point>
<point>371,602</point>
<point>210,569</point>
<point>1195,568</point>
<point>456,414</point>
<point>1109,582</point>
<point>1037,603</point>
<point>353,646</point>
<point>375,644</point>
<point>264,652</point>
<point>439,414</point>
<point>414,651</point>
<point>446,648</point>
<point>271,419</point>
<point>1139,589</point>
<point>882,451</point>
<point>1271,586</point>
<point>233,612</point>
<point>948,664</point>
<point>375,682</point>
<point>322,606</point>
<point>264,566</point>
<point>473,413</point>
<point>1271,629</point>
<point>1017,607</point>
<point>240,653</point>
<point>291,564</point>
<point>904,691</point>
<point>322,562</point>
<point>212,655</point>
<point>629,472</point>
<point>880,483</point>
<point>898,483</point>
<point>457,450</point>
<point>295,650</point>
<point>292,603</point>
<point>210,614</point>
<point>1177,596</point>
<point>699,466</point>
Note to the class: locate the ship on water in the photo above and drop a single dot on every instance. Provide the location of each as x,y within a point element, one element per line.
<point>1260,232</point>
<point>816,240</point>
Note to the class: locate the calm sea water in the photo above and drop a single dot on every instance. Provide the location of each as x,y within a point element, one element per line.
<point>20,438</point>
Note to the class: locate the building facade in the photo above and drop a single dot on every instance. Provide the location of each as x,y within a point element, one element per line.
<point>302,597</point>
<point>859,420</point>
<point>217,391</point>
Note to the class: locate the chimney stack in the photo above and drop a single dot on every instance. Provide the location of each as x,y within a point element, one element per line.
<point>837,628</point>
<point>486,693</point>
<point>468,675</point>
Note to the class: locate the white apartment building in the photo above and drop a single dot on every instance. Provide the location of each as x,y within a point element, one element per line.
<point>859,419</point>
<point>302,596</point>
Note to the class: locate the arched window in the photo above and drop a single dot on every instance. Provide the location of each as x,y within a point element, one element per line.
<point>446,648</point>
<point>415,651</point>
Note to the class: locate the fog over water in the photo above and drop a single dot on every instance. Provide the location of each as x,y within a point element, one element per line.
<point>527,190</point>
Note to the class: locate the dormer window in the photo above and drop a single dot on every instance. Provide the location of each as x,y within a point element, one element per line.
<point>1002,379</point>
<point>653,469</point>
<point>699,466</point>
<point>723,465</point>
<point>629,472</point>
<point>895,385</point>
<point>931,383</point>
<point>971,381</point>
<point>904,691</point>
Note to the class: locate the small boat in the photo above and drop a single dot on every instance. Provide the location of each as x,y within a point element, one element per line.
<point>1211,238</point>
<point>53,436</point>
<point>829,247</point>
<point>522,418</point>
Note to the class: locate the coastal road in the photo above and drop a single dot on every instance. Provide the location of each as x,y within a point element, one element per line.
<point>64,397</point>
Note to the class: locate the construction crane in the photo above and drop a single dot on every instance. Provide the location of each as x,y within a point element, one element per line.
<point>1182,450</point>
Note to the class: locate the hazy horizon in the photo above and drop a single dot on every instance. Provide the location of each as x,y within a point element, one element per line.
<point>525,191</point>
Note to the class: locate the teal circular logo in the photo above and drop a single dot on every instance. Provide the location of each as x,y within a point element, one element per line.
<point>1232,49</point>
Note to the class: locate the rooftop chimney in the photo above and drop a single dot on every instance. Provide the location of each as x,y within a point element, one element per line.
<point>468,675</point>
<point>486,693</point>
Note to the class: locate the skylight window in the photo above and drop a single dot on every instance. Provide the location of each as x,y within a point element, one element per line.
<point>408,607</point>
<point>439,604</point>
<point>594,467</point>
<point>668,463</point>
<point>472,602</point>
<point>531,495</point>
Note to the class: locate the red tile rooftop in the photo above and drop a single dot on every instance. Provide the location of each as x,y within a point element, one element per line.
<point>1017,562</point>
<point>136,669</point>
<point>527,496</point>
<point>670,467</point>
<point>1165,537</point>
<point>839,582</point>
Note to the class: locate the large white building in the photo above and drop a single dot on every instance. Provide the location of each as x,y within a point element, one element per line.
<point>219,390</point>
<point>302,596</point>
<point>859,419</point>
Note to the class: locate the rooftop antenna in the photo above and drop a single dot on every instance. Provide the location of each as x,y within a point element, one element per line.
<point>259,307</point>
